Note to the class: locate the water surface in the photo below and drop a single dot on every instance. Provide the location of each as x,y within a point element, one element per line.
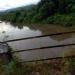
<point>9,32</point>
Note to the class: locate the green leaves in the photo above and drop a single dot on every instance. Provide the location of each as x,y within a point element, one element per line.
<point>44,12</point>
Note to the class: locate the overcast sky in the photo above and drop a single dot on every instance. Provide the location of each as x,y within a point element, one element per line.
<point>7,4</point>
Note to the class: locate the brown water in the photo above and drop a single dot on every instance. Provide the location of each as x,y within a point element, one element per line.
<point>6,29</point>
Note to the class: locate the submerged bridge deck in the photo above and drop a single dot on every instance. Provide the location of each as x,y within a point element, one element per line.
<point>4,46</point>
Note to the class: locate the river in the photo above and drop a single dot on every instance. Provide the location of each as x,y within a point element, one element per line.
<point>10,31</point>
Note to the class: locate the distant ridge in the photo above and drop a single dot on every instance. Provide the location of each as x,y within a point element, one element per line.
<point>20,8</point>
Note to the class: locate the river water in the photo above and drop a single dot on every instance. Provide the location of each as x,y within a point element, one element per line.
<point>10,31</point>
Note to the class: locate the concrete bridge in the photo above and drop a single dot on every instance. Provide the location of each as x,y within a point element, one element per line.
<point>36,53</point>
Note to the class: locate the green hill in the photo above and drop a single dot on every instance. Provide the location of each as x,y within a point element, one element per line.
<point>46,12</point>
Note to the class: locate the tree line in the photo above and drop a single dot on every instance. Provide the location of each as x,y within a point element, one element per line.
<point>60,12</point>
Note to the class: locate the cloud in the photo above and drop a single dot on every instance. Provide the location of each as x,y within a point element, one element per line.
<point>7,4</point>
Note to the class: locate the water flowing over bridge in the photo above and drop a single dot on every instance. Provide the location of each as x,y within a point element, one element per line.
<point>5,52</point>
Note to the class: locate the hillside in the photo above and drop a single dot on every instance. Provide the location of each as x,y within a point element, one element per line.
<point>46,12</point>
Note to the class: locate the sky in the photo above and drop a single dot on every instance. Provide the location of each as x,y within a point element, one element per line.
<point>8,4</point>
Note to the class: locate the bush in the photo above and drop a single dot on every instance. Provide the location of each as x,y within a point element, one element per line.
<point>60,19</point>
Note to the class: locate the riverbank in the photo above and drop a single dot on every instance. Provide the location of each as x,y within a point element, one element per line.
<point>46,67</point>
<point>57,19</point>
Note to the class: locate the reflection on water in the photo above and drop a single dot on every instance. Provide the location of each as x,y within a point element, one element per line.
<point>13,32</point>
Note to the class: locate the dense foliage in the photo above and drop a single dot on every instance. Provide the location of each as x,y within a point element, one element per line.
<point>60,12</point>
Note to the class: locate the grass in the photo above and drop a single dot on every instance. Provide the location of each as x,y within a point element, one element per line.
<point>47,67</point>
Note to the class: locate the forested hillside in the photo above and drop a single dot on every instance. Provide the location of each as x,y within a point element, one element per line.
<point>60,12</point>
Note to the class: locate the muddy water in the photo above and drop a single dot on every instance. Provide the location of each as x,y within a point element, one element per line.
<point>9,32</point>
